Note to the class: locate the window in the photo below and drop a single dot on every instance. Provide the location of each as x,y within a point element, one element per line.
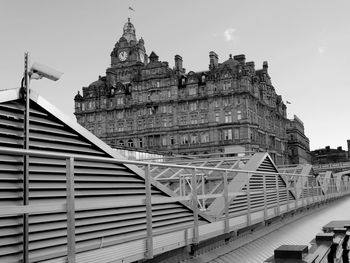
<point>228,134</point>
<point>236,133</point>
<point>129,125</point>
<point>193,106</point>
<point>184,139</point>
<point>183,107</point>
<point>170,121</point>
<point>239,115</point>
<point>110,128</point>
<point>91,117</point>
<point>121,143</point>
<point>194,138</point>
<point>216,103</point>
<point>203,118</point>
<point>226,85</point>
<point>130,143</point>
<point>163,108</point>
<point>172,140</point>
<point>192,91</point>
<point>164,122</point>
<point>164,141</point>
<point>120,126</point>
<point>226,101</point>
<point>120,114</point>
<point>217,116</point>
<point>194,119</point>
<point>120,101</point>
<point>205,137</point>
<point>139,125</point>
<point>110,115</point>
<point>183,120</point>
<point>228,117</point>
<point>99,131</point>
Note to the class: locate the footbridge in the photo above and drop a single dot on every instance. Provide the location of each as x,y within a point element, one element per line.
<point>69,197</point>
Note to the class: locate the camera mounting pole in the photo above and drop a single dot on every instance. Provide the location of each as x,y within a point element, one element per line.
<point>26,95</point>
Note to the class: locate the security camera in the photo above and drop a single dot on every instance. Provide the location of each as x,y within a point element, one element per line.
<point>39,70</point>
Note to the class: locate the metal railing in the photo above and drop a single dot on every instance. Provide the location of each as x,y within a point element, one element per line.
<point>304,189</point>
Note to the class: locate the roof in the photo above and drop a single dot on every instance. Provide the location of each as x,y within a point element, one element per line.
<point>212,181</point>
<point>53,132</point>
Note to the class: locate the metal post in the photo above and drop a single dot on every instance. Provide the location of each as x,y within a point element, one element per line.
<point>26,161</point>
<point>277,195</point>
<point>148,201</point>
<point>248,201</point>
<point>195,207</point>
<point>302,191</point>
<point>70,210</point>
<point>308,191</point>
<point>227,223</point>
<point>203,191</point>
<point>265,198</point>
<point>180,185</point>
<point>287,192</point>
<point>295,193</point>
<point>313,189</point>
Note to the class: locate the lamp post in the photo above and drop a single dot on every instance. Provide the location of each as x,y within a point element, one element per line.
<point>36,71</point>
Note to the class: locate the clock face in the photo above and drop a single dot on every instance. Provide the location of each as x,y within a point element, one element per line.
<point>142,57</point>
<point>123,56</point>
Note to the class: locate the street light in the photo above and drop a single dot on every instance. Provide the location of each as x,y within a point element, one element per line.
<point>36,71</point>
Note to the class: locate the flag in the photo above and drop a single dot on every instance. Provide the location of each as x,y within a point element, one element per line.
<point>131,9</point>
<point>288,102</point>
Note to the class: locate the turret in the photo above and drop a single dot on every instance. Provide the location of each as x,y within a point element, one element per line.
<point>214,60</point>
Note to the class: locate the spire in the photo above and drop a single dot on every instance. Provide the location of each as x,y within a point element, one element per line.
<point>129,32</point>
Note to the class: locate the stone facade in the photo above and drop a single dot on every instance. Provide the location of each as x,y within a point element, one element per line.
<point>329,155</point>
<point>143,103</point>
<point>298,143</point>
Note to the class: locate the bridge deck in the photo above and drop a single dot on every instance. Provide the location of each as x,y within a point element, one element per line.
<point>297,232</point>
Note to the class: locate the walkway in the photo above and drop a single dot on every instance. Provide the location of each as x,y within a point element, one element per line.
<point>299,232</point>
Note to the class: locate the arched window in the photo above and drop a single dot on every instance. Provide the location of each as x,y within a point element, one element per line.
<point>121,143</point>
<point>130,143</point>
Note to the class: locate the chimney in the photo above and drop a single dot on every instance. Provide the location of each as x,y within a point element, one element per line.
<point>178,63</point>
<point>251,64</point>
<point>240,58</point>
<point>214,60</point>
<point>265,66</point>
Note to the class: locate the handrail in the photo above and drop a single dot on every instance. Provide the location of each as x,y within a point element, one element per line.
<point>125,161</point>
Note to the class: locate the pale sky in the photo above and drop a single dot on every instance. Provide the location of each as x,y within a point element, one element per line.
<point>306,43</point>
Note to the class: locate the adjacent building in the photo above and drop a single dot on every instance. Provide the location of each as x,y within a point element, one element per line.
<point>329,155</point>
<point>143,103</point>
<point>298,143</point>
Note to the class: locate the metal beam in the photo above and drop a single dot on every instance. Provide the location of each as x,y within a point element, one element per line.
<point>148,203</point>
<point>70,211</point>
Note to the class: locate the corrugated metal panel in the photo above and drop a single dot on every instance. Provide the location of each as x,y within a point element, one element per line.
<point>93,181</point>
<point>240,204</point>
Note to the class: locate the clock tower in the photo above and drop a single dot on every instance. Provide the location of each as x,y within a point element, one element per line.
<point>128,51</point>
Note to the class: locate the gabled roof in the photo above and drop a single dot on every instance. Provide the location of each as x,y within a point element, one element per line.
<point>260,162</point>
<point>52,131</point>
